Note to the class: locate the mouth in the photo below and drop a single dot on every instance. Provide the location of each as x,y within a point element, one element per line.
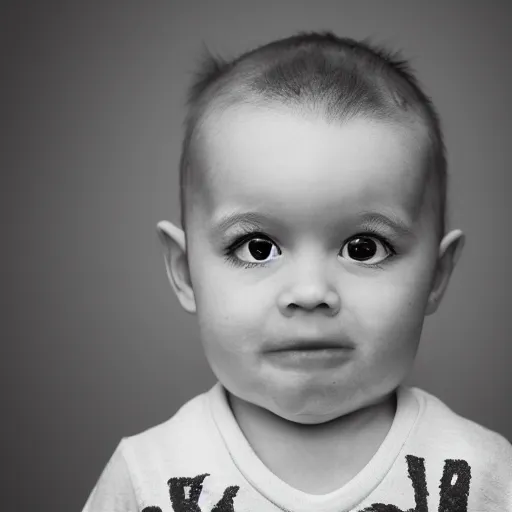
<point>307,355</point>
<point>310,346</point>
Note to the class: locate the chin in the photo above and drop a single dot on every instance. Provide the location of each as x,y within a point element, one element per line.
<point>307,406</point>
<point>313,418</point>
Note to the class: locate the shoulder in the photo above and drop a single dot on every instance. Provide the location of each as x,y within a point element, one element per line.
<point>150,456</point>
<point>439,424</point>
<point>191,422</point>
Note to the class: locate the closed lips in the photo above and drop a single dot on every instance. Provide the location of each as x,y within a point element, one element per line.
<point>309,345</point>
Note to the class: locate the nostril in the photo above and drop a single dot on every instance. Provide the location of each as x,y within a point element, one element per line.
<point>323,305</point>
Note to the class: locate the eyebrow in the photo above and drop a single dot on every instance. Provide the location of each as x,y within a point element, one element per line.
<point>365,219</point>
<point>258,220</point>
<point>375,220</point>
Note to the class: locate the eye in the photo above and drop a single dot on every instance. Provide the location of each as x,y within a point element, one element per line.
<point>366,249</point>
<point>257,250</point>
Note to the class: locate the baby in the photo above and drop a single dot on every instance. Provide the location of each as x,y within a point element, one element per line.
<point>313,191</point>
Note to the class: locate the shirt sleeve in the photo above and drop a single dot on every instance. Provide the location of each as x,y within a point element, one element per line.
<point>114,490</point>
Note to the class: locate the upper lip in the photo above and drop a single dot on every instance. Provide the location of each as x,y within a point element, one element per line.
<point>309,344</point>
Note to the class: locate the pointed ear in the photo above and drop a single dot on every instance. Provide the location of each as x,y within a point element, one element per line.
<point>450,250</point>
<point>175,255</point>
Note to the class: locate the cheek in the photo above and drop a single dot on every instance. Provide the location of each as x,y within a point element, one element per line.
<point>230,315</point>
<point>230,319</point>
<point>390,312</point>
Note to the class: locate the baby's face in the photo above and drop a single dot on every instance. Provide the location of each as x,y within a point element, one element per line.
<point>338,249</point>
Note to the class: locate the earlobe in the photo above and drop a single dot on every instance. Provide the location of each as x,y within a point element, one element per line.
<point>175,257</point>
<point>450,250</point>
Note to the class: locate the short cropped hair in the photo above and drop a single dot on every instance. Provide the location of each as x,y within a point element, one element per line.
<point>336,77</point>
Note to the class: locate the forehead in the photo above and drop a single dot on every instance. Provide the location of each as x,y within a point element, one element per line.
<point>308,170</point>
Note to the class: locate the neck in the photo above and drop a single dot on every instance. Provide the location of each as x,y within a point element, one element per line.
<point>343,445</point>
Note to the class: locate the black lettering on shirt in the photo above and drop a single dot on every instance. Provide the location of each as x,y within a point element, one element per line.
<point>184,492</point>
<point>186,501</point>
<point>416,467</point>
<point>455,486</point>
<point>225,504</point>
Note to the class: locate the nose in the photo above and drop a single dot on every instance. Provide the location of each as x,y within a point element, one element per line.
<point>309,291</point>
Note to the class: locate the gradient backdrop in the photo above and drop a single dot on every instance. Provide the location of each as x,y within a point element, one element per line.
<point>95,345</point>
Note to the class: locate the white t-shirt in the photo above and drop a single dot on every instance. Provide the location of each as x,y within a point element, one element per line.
<point>432,460</point>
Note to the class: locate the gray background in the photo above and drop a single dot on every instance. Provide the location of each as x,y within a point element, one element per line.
<point>95,345</point>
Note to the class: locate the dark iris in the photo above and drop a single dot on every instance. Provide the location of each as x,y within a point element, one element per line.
<point>361,248</point>
<point>260,249</point>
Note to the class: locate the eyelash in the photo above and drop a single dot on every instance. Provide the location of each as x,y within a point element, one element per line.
<point>229,252</point>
